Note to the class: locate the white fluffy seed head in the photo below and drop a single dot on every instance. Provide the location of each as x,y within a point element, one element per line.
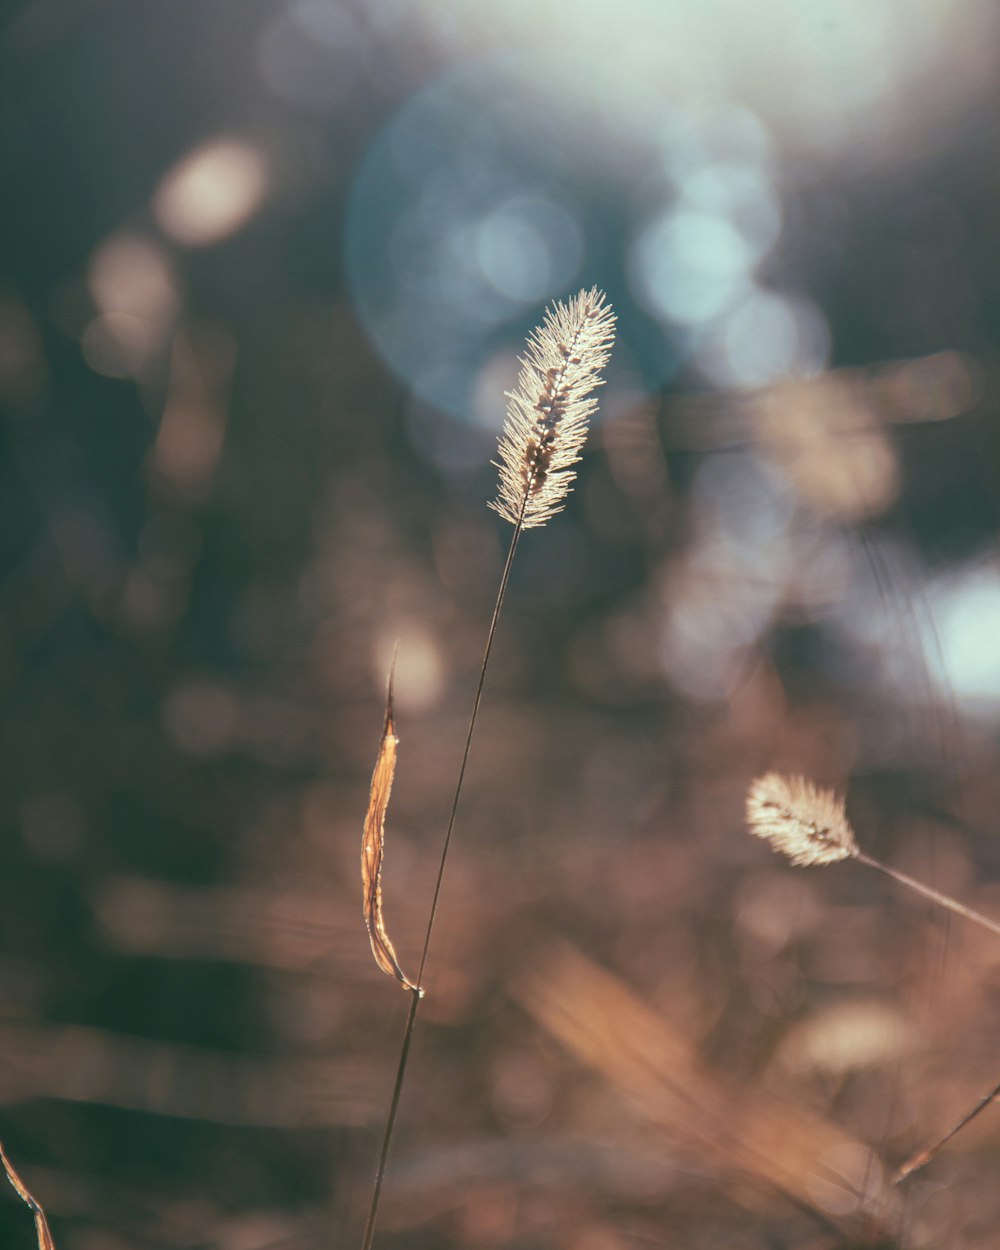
<point>807,824</point>
<point>547,413</point>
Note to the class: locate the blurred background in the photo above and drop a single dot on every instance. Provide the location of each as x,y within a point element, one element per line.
<point>267,270</point>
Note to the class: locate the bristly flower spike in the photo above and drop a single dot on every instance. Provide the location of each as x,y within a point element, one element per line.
<point>810,826</point>
<point>547,413</point>
<point>807,824</point>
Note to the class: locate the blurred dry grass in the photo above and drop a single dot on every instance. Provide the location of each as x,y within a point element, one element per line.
<point>641,1029</point>
<point>739,1059</point>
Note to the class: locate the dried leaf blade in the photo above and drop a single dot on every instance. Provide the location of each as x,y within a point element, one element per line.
<point>45,1241</point>
<point>373,849</point>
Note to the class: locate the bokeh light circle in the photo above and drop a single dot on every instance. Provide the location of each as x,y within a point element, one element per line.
<point>483,199</point>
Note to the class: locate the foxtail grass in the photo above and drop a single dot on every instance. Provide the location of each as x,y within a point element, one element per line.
<point>809,825</point>
<point>547,418</point>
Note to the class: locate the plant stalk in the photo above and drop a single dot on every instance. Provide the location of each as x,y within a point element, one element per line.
<point>943,900</point>
<point>411,1018</point>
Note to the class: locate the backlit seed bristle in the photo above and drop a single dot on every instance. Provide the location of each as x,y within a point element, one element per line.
<point>547,413</point>
<point>807,824</point>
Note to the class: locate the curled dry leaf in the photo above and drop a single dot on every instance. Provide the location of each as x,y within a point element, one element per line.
<point>42,1229</point>
<point>373,849</point>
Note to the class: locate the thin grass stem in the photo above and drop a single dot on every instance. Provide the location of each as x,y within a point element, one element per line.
<point>943,900</point>
<point>390,1122</point>
<point>501,594</point>
<point>415,999</point>
<point>923,1157</point>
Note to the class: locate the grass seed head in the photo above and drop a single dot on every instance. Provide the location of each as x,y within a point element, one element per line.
<point>804,822</point>
<point>548,412</point>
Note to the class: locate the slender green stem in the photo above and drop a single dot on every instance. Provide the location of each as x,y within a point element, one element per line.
<point>415,999</point>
